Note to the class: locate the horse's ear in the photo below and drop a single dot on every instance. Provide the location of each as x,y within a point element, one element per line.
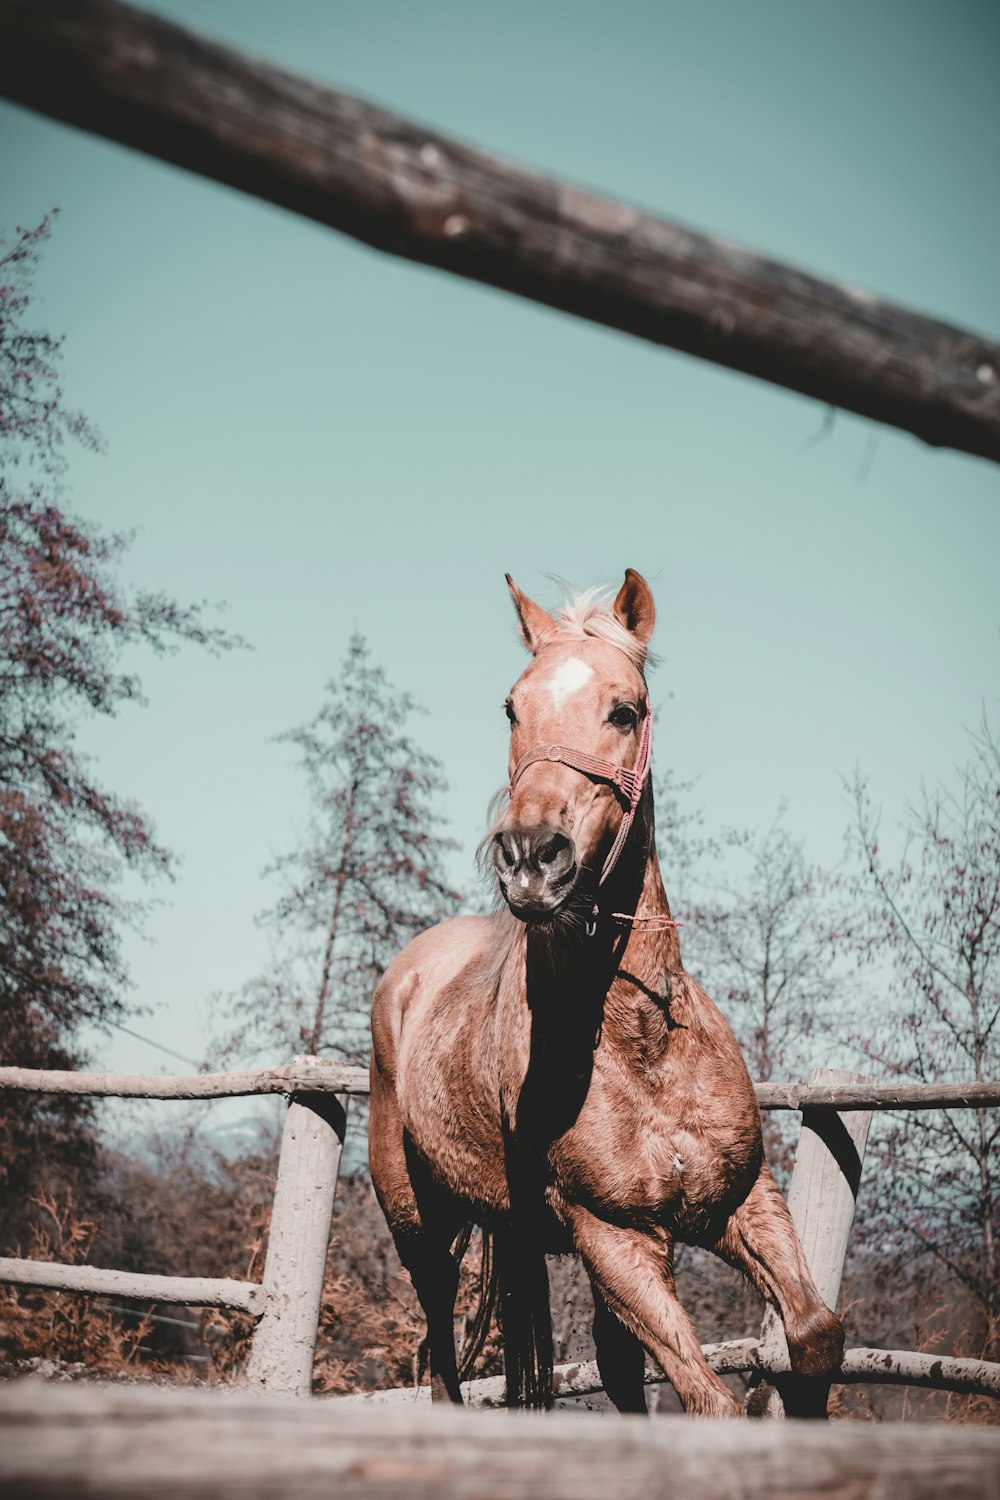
<point>634,606</point>
<point>535,624</point>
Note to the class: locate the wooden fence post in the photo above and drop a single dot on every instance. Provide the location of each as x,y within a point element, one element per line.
<point>284,1342</point>
<point>821,1199</point>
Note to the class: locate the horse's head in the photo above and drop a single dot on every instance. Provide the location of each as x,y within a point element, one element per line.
<point>579,716</point>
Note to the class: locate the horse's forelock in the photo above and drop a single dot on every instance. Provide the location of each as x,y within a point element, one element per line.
<point>587,614</point>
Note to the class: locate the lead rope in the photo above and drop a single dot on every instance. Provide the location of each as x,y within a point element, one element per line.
<point>630,784</point>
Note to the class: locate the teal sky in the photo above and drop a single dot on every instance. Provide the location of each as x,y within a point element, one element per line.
<point>327,438</point>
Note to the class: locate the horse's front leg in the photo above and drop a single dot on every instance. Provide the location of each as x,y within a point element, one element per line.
<point>632,1271</point>
<point>621,1359</point>
<point>760,1239</point>
<point>434,1272</point>
<point>423,1224</point>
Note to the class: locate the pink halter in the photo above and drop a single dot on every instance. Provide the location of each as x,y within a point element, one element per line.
<point>629,784</point>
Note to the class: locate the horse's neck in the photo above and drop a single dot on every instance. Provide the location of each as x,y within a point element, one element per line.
<point>572,991</point>
<point>637,1018</point>
<point>656,948</point>
<point>564,999</point>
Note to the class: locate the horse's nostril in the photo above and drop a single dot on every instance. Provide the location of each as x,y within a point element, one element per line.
<point>505,849</point>
<point>551,849</point>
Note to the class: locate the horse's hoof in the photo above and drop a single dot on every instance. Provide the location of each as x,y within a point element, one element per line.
<point>818,1344</point>
<point>764,1401</point>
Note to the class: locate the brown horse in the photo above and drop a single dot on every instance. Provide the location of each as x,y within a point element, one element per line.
<point>554,1075</point>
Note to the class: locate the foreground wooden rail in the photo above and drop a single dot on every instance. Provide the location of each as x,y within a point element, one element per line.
<point>406,190</point>
<point>836,1112</point>
<point>110,1443</point>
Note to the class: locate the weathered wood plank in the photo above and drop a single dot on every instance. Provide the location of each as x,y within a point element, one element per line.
<point>110,1442</point>
<point>970,1377</point>
<point>194,1291</point>
<point>321,1076</point>
<point>284,1341</point>
<point>882,1095</point>
<point>316,1075</point>
<point>411,192</point>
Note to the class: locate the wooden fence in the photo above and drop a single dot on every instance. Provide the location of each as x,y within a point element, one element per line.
<point>836,1112</point>
<point>410,191</point>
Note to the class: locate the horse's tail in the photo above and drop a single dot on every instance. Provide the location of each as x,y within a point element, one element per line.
<point>514,1282</point>
<point>478,1331</point>
<point>525,1319</point>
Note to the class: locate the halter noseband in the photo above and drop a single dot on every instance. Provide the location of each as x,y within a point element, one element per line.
<point>628,784</point>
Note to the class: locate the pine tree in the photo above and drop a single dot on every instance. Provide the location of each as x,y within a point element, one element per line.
<point>368,874</point>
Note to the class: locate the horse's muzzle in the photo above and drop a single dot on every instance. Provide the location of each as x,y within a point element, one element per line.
<point>536,868</point>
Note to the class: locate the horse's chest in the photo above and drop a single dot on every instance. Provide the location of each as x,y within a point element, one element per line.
<point>631,1157</point>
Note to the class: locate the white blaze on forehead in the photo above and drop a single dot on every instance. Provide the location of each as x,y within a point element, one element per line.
<point>568,678</point>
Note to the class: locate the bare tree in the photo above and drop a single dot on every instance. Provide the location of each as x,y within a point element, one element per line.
<point>929,926</point>
<point>754,935</point>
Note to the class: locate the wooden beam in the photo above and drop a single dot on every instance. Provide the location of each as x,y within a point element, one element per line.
<point>969,1377</point>
<point>404,189</point>
<point>825,1180</point>
<point>109,1442</point>
<point>191,1291</point>
<point>313,1075</point>
<point>882,1095</point>
<point>320,1075</point>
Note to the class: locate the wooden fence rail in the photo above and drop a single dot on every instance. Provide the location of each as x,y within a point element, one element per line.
<point>190,1291</point>
<point>312,1075</point>
<point>406,190</point>
<point>836,1109</point>
<point>316,1075</point>
<point>862,1366</point>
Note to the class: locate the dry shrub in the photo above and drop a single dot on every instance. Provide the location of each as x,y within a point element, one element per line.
<point>366,1343</point>
<point>933,1335</point>
<point>227,1336</point>
<point>370,1322</point>
<point>891,1303</point>
<point>67,1327</point>
<point>371,1325</point>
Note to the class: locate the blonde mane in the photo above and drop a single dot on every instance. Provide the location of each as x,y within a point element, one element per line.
<point>588,614</point>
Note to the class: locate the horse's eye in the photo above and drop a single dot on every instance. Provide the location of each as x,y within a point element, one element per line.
<point>508,709</point>
<point>623,717</point>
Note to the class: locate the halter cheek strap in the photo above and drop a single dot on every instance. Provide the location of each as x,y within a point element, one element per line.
<point>628,784</point>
